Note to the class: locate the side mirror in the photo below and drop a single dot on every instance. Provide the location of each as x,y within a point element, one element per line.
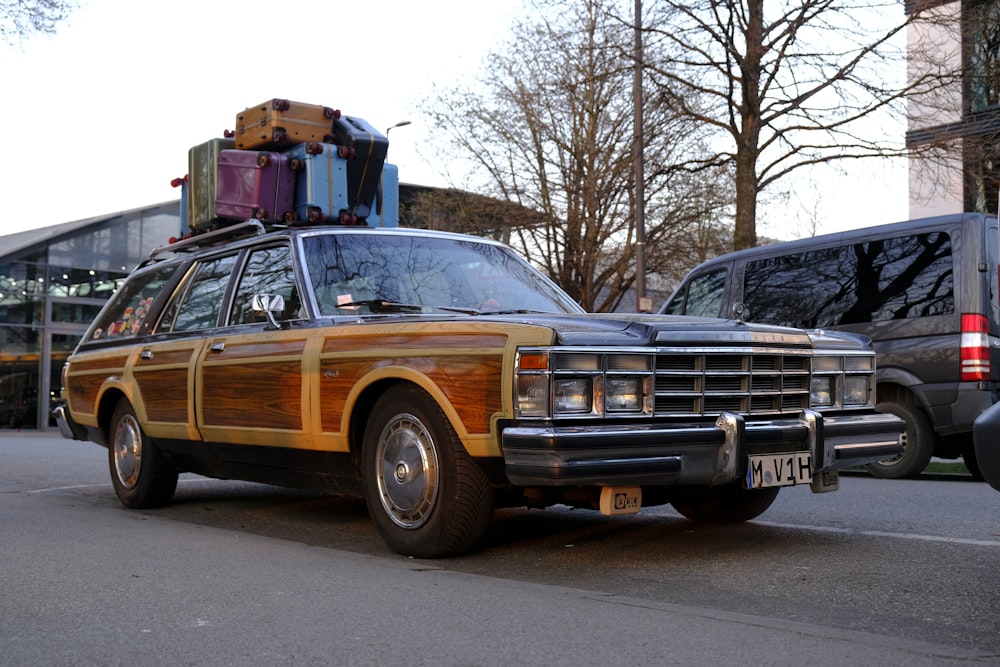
<point>269,304</point>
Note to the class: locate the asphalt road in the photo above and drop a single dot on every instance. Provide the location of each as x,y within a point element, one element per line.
<point>878,573</point>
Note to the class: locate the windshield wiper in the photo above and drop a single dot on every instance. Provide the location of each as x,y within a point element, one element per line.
<point>515,311</point>
<point>381,305</point>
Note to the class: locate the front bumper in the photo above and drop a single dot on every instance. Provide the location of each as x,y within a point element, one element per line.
<point>691,453</point>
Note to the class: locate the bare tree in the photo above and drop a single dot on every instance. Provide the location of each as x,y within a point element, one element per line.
<point>22,18</point>
<point>548,126</point>
<point>787,84</point>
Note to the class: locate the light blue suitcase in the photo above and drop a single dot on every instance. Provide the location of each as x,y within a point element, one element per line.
<point>321,186</point>
<point>385,212</point>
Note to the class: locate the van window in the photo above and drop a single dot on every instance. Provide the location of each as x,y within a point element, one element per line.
<point>992,259</point>
<point>886,279</point>
<point>702,298</point>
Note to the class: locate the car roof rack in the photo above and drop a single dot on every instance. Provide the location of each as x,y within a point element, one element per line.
<point>206,239</point>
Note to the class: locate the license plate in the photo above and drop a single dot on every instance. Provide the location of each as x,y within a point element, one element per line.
<point>765,470</point>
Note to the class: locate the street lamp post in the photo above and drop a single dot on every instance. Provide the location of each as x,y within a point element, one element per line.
<point>643,302</point>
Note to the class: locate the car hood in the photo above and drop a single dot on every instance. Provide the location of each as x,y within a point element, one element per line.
<point>641,330</point>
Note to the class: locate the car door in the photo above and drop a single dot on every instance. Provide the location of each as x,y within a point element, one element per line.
<point>164,369</point>
<point>251,385</point>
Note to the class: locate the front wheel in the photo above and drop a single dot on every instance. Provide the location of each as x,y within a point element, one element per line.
<point>142,475</point>
<point>917,440</point>
<point>727,505</point>
<point>427,497</point>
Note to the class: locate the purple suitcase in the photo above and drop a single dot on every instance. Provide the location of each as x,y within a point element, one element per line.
<point>255,184</point>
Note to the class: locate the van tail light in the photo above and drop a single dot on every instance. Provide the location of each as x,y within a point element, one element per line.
<point>975,354</point>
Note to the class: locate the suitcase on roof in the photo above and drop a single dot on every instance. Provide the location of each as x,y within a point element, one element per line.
<point>255,184</point>
<point>203,169</point>
<point>182,183</point>
<point>386,211</point>
<point>365,151</point>
<point>321,189</point>
<point>280,123</point>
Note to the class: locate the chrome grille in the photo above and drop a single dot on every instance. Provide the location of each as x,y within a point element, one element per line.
<point>709,383</point>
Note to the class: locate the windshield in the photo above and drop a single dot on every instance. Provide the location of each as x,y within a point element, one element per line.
<point>353,273</point>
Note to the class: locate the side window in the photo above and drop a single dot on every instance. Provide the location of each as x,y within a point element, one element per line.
<point>703,296</point>
<point>125,315</point>
<point>268,271</point>
<point>886,279</point>
<point>198,302</point>
<point>992,260</point>
<point>794,290</point>
<point>908,276</point>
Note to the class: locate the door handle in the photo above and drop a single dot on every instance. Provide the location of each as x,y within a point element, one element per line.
<point>218,346</point>
<point>146,354</point>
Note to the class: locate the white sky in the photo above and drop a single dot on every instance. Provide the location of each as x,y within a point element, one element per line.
<point>99,117</point>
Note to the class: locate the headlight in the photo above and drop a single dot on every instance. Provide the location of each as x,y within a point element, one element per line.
<point>533,395</point>
<point>821,391</point>
<point>573,396</point>
<point>855,390</point>
<point>623,394</point>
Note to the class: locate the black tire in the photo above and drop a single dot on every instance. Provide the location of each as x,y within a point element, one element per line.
<point>727,505</point>
<point>142,475</point>
<point>918,443</point>
<point>971,462</point>
<point>428,498</point>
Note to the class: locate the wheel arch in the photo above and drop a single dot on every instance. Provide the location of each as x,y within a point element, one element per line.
<point>106,405</point>
<point>367,392</point>
<point>890,389</point>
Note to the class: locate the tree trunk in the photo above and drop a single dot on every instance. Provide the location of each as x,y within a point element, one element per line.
<point>745,229</point>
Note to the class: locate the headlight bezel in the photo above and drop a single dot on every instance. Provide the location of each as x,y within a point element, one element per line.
<point>584,384</point>
<point>842,381</point>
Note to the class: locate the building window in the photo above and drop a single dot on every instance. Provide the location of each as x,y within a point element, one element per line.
<point>982,20</point>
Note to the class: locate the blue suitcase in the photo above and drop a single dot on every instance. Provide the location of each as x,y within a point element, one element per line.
<point>365,149</point>
<point>321,188</point>
<point>182,183</point>
<point>386,211</point>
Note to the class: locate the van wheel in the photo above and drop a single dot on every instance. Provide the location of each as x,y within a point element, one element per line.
<point>141,474</point>
<point>427,496</point>
<point>917,439</point>
<point>727,505</point>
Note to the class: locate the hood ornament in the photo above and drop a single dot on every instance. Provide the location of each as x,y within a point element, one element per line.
<point>739,312</point>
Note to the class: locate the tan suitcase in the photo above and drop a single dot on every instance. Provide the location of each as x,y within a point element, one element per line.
<point>280,123</point>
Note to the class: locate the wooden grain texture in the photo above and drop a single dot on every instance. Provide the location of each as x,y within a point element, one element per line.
<point>253,383</point>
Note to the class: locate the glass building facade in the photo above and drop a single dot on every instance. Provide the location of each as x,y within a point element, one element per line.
<point>53,282</point>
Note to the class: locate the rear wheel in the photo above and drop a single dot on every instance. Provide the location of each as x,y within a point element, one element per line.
<point>141,474</point>
<point>427,497</point>
<point>727,505</point>
<point>917,440</point>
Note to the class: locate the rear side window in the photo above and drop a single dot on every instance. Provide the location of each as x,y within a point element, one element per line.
<point>702,297</point>
<point>125,315</point>
<point>874,281</point>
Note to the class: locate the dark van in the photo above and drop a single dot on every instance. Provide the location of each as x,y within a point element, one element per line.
<point>924,290</point>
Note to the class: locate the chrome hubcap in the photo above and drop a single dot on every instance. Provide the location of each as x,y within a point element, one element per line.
<point>127,447</point>
<point>408,473</point>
